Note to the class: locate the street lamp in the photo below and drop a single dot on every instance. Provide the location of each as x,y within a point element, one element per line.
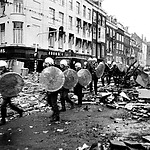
<point>36,48</point>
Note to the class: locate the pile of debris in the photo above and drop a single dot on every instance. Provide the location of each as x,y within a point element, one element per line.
<point>119,145</point>
<point>136,100</point>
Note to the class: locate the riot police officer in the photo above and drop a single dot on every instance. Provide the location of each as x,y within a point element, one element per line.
<point>78,88</point>
<point>7,100</point>
<point>52,96</point>
<point>91,66</point>
<point>64,92</point>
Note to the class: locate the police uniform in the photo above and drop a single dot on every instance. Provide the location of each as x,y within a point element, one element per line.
<point>78,88</point>
<point>64,92</point>
<point>91,65</point>
<point>52,96</point>
<point>106,74</point>
<point>7,100</point>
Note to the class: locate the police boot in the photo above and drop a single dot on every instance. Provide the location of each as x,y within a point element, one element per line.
<point>21,113</point>
<point>62,109</point>
<point>63,106</point>
<point>3,114</point>
<point>55,118</point>
<point>72,106</point>
<point>3,121</point>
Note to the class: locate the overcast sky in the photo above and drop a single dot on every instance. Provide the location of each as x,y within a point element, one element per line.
<point>132,13</point>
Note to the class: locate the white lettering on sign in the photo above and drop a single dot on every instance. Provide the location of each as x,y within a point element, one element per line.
<point>2,51</point>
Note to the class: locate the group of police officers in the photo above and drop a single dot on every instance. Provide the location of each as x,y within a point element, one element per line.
<point>52,97</point>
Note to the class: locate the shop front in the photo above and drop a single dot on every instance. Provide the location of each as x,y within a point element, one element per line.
<point>27,55</point>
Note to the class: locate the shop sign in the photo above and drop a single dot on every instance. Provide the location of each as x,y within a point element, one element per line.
<point>2,50</point>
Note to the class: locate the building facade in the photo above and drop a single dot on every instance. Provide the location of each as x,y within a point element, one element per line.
<point>148,55</point>
<point>36,29</point>
<point>144,53</point>
<point>41,28</point>
<point>142,49</point>
<point>127,53</point>
<point>133,51</point>
<point>120,57</point>
<point>111,26</point>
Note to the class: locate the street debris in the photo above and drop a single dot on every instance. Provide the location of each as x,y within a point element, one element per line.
<point>84,147</point>
<point>135,100</point>
<point>60,130</point>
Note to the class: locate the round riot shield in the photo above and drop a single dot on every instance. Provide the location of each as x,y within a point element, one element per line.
<point>100,69</point>
<point>11,83</point>
<point>84,77</point>
<point>52,78</point>
<point>71,78</point>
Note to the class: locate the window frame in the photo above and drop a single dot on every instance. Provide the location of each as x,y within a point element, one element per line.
<point>18,7</point>
<point>70,22</point>
<point>71,4</point>
<point>61,17</point>
<point>84,11</point>
<point>17,32</point>
<point>77,7</point>
<point>89,14</point>
<point>52,16</point>
<point>2,33</point>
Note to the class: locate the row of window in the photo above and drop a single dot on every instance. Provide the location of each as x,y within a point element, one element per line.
<point>86,11</point>
<point>110,46</point>
<point>110,32</point>
<point>18,38</point>
<point>61,18</point>
<point>79,44</point>
<point>119,46</point>
<point>120,37</point>
<point>101,19</point>
<point>86,26</point>
<point>17,33</point>
<point>18,8</point>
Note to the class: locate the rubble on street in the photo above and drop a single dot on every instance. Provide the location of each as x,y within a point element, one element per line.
<point>135,100</point>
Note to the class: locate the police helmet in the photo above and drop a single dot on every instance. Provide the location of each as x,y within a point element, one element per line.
<point>49,61</point>
<point>94,59</point>
<point>78,65</point>
<point>63,62</point>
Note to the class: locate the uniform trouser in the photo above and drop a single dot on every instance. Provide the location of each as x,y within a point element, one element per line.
<point>52,101</point>
<point>64,97</point>
<point>94,80</point>
<point>78,92</point>
<point>4,108</point>
<point>103,80</point>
